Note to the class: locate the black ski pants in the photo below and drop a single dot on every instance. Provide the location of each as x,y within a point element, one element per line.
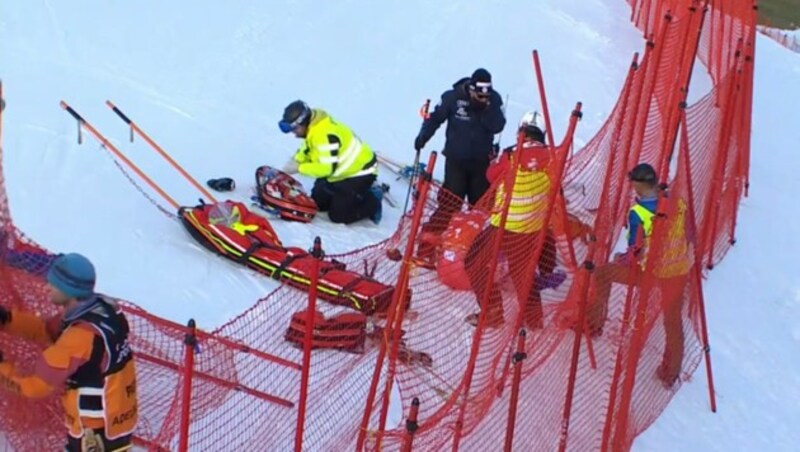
<point>464,179</point>
<point>346,201</point>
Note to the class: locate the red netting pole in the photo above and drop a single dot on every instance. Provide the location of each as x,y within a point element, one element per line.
<point>685,79</point>
<point>576,350</point>
<point>639,330</point>
<point>398,298</point>
<point>400,305</point>
<point>518,358</point>
<point>550,138</point>
<point>484,298</point>
<point>714,204</point>
<point>190,345</point>
<point>411,426</point>
<point>317,253</point>
<point>698,268</point>
<point>626,324</point>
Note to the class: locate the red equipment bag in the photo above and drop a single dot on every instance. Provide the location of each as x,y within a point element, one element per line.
<point>346,331</point>
<point>283,194</point>
<point>464,227</point>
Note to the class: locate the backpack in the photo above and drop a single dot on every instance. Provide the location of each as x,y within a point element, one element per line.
<point>281,193</point>
<point>346,331</point>
<point>456,241</point>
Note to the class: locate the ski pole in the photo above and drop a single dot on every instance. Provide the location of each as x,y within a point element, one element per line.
<point>500,135</point>
<point>423,111</point>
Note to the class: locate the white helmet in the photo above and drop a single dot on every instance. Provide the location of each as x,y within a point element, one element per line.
<point>531,118</point>
<point>533,126</point>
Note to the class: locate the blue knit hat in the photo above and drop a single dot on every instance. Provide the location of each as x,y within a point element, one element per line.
<point>73,275</point>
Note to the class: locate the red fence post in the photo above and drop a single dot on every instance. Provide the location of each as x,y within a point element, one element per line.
<point>518,358</point>
<point>411,426</point>
<point>576,350</point>
<point>396,309</point>
<point>317,253</point>
<point>190,346</point>
<point>698,259</point>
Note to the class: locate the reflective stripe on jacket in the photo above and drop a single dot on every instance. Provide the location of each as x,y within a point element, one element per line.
<point>528,207</point>
<point>332,151</point>
<point>89,355</point>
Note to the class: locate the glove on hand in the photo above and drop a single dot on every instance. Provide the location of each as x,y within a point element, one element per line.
<point>291,167</point>
<point>419,143</point>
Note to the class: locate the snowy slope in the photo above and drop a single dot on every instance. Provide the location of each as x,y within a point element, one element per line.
<point>209,81</point>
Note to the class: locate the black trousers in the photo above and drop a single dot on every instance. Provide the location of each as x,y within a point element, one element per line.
<point>464,179</point>
<point>346,201</point>
<point>115,445</point>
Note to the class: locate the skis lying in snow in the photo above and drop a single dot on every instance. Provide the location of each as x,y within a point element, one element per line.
<point>400,170</point>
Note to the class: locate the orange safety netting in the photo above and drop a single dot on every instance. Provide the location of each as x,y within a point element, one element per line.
<point>598,348</point>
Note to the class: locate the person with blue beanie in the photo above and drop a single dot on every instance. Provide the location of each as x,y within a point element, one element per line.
<point>88,353</point>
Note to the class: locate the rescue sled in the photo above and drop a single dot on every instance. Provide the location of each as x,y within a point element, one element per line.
<point>229,229</point>
<point>284,195</point>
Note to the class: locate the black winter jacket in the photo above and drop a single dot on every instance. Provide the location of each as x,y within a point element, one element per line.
<point>470,128</point>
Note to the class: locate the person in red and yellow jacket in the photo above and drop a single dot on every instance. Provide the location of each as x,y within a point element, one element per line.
<point>88,353</point>
<point>525,221</point>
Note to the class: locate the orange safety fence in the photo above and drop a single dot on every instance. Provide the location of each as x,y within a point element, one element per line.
<point>603,351</point>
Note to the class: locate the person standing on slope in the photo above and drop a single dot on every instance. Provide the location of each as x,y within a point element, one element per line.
<point>527,213</point>
<point>473,111</point>
<point>671,271</point>
<point>88,353</point>
<point>345,167</point>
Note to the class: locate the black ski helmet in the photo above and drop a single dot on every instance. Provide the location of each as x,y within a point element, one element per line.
<point>645,173</point>
<point>295,114</point>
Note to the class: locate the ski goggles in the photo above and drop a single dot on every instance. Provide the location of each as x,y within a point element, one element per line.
<point>481,88</point>
<point>287,126</point>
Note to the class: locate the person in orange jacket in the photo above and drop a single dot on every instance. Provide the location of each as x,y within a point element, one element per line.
<point>88,353</point>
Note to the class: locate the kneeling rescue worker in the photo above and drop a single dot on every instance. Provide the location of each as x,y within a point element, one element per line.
<point>345,166</point>
<point>88,353</point>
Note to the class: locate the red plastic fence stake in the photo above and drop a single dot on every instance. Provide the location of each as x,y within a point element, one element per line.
<point>576,350</point>
<point>396,308</point>
<point>411,426</point>
<point>190,345</point>
<point>518,358</point>
<point>317,253</point>
<point>698,266</point>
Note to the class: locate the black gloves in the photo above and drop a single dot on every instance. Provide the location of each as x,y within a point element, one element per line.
<point>5,316</point>
<point>495,151</point>
<point>419,143</point>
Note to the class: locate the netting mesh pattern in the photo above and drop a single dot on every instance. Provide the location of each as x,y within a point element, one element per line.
<point>599,345</point>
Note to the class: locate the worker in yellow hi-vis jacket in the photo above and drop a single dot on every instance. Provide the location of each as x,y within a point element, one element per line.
<point>344,165</point>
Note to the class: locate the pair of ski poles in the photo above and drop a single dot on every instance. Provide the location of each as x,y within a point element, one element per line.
<point>423,112</point>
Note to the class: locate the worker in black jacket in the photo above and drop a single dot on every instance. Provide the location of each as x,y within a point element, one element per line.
<point>473,111</point>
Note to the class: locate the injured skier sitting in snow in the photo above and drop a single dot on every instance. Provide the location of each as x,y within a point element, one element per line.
<point>345,166</point>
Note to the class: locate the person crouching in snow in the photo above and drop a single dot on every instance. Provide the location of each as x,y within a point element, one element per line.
<point>344,165</point>
<point>526,220</point>
<point>88,353</point>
